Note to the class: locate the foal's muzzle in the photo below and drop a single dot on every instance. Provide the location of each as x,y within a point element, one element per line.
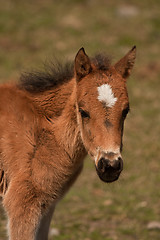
<point>109,170</point>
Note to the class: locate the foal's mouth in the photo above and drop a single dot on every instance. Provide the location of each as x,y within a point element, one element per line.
<point>108,177</point>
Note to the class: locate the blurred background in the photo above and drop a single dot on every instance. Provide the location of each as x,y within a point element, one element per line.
<point>32,32</point>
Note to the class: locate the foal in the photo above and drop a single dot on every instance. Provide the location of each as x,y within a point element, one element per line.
<point>49,122</point>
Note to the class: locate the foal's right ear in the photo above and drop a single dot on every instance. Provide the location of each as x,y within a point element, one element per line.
<point>82,64</point>
<point>125,64</point>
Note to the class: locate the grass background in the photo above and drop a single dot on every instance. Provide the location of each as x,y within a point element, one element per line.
<point>33,31</point>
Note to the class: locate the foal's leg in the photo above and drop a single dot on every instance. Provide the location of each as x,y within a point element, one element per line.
<point>24,209</point>
<point>42,233</point>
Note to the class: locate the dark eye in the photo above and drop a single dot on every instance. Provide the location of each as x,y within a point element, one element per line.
<point>125,112</point>
<point>84,114</point>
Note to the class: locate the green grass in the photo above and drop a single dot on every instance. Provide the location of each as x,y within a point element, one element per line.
<point>33,31</point>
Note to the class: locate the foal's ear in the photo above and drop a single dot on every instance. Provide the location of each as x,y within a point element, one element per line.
<point>125,64</point>
<point>82,64</point>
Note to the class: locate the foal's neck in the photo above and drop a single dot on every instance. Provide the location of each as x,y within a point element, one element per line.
<point>59,104</point>
<point>67,129</point>
<point>52,102</point>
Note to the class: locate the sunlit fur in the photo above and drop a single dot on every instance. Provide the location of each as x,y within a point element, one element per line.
<point>48,125</point>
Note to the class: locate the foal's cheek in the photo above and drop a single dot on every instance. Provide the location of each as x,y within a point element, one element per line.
<point>89,143</point>
<point>87,134</point>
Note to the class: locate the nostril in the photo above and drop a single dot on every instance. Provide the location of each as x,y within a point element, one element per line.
<point>120,163</point>
<point>117,164</point>
<point>100,163</point>
<point>103,164</point>
<point>110,165</point>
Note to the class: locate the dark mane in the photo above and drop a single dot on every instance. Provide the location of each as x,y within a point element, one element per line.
<point>56,73</point>
<point>101,61</point>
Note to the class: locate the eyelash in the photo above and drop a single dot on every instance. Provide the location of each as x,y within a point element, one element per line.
<point>84,114</point>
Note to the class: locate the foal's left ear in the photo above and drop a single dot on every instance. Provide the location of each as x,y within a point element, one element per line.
<point>125,64</point>
<point>82,64</point>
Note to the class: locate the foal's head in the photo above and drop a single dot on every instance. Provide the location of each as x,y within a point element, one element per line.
<point>102,106</point>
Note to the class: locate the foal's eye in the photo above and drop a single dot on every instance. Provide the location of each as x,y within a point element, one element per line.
<point>125,112</point>
<point>84,114</point>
